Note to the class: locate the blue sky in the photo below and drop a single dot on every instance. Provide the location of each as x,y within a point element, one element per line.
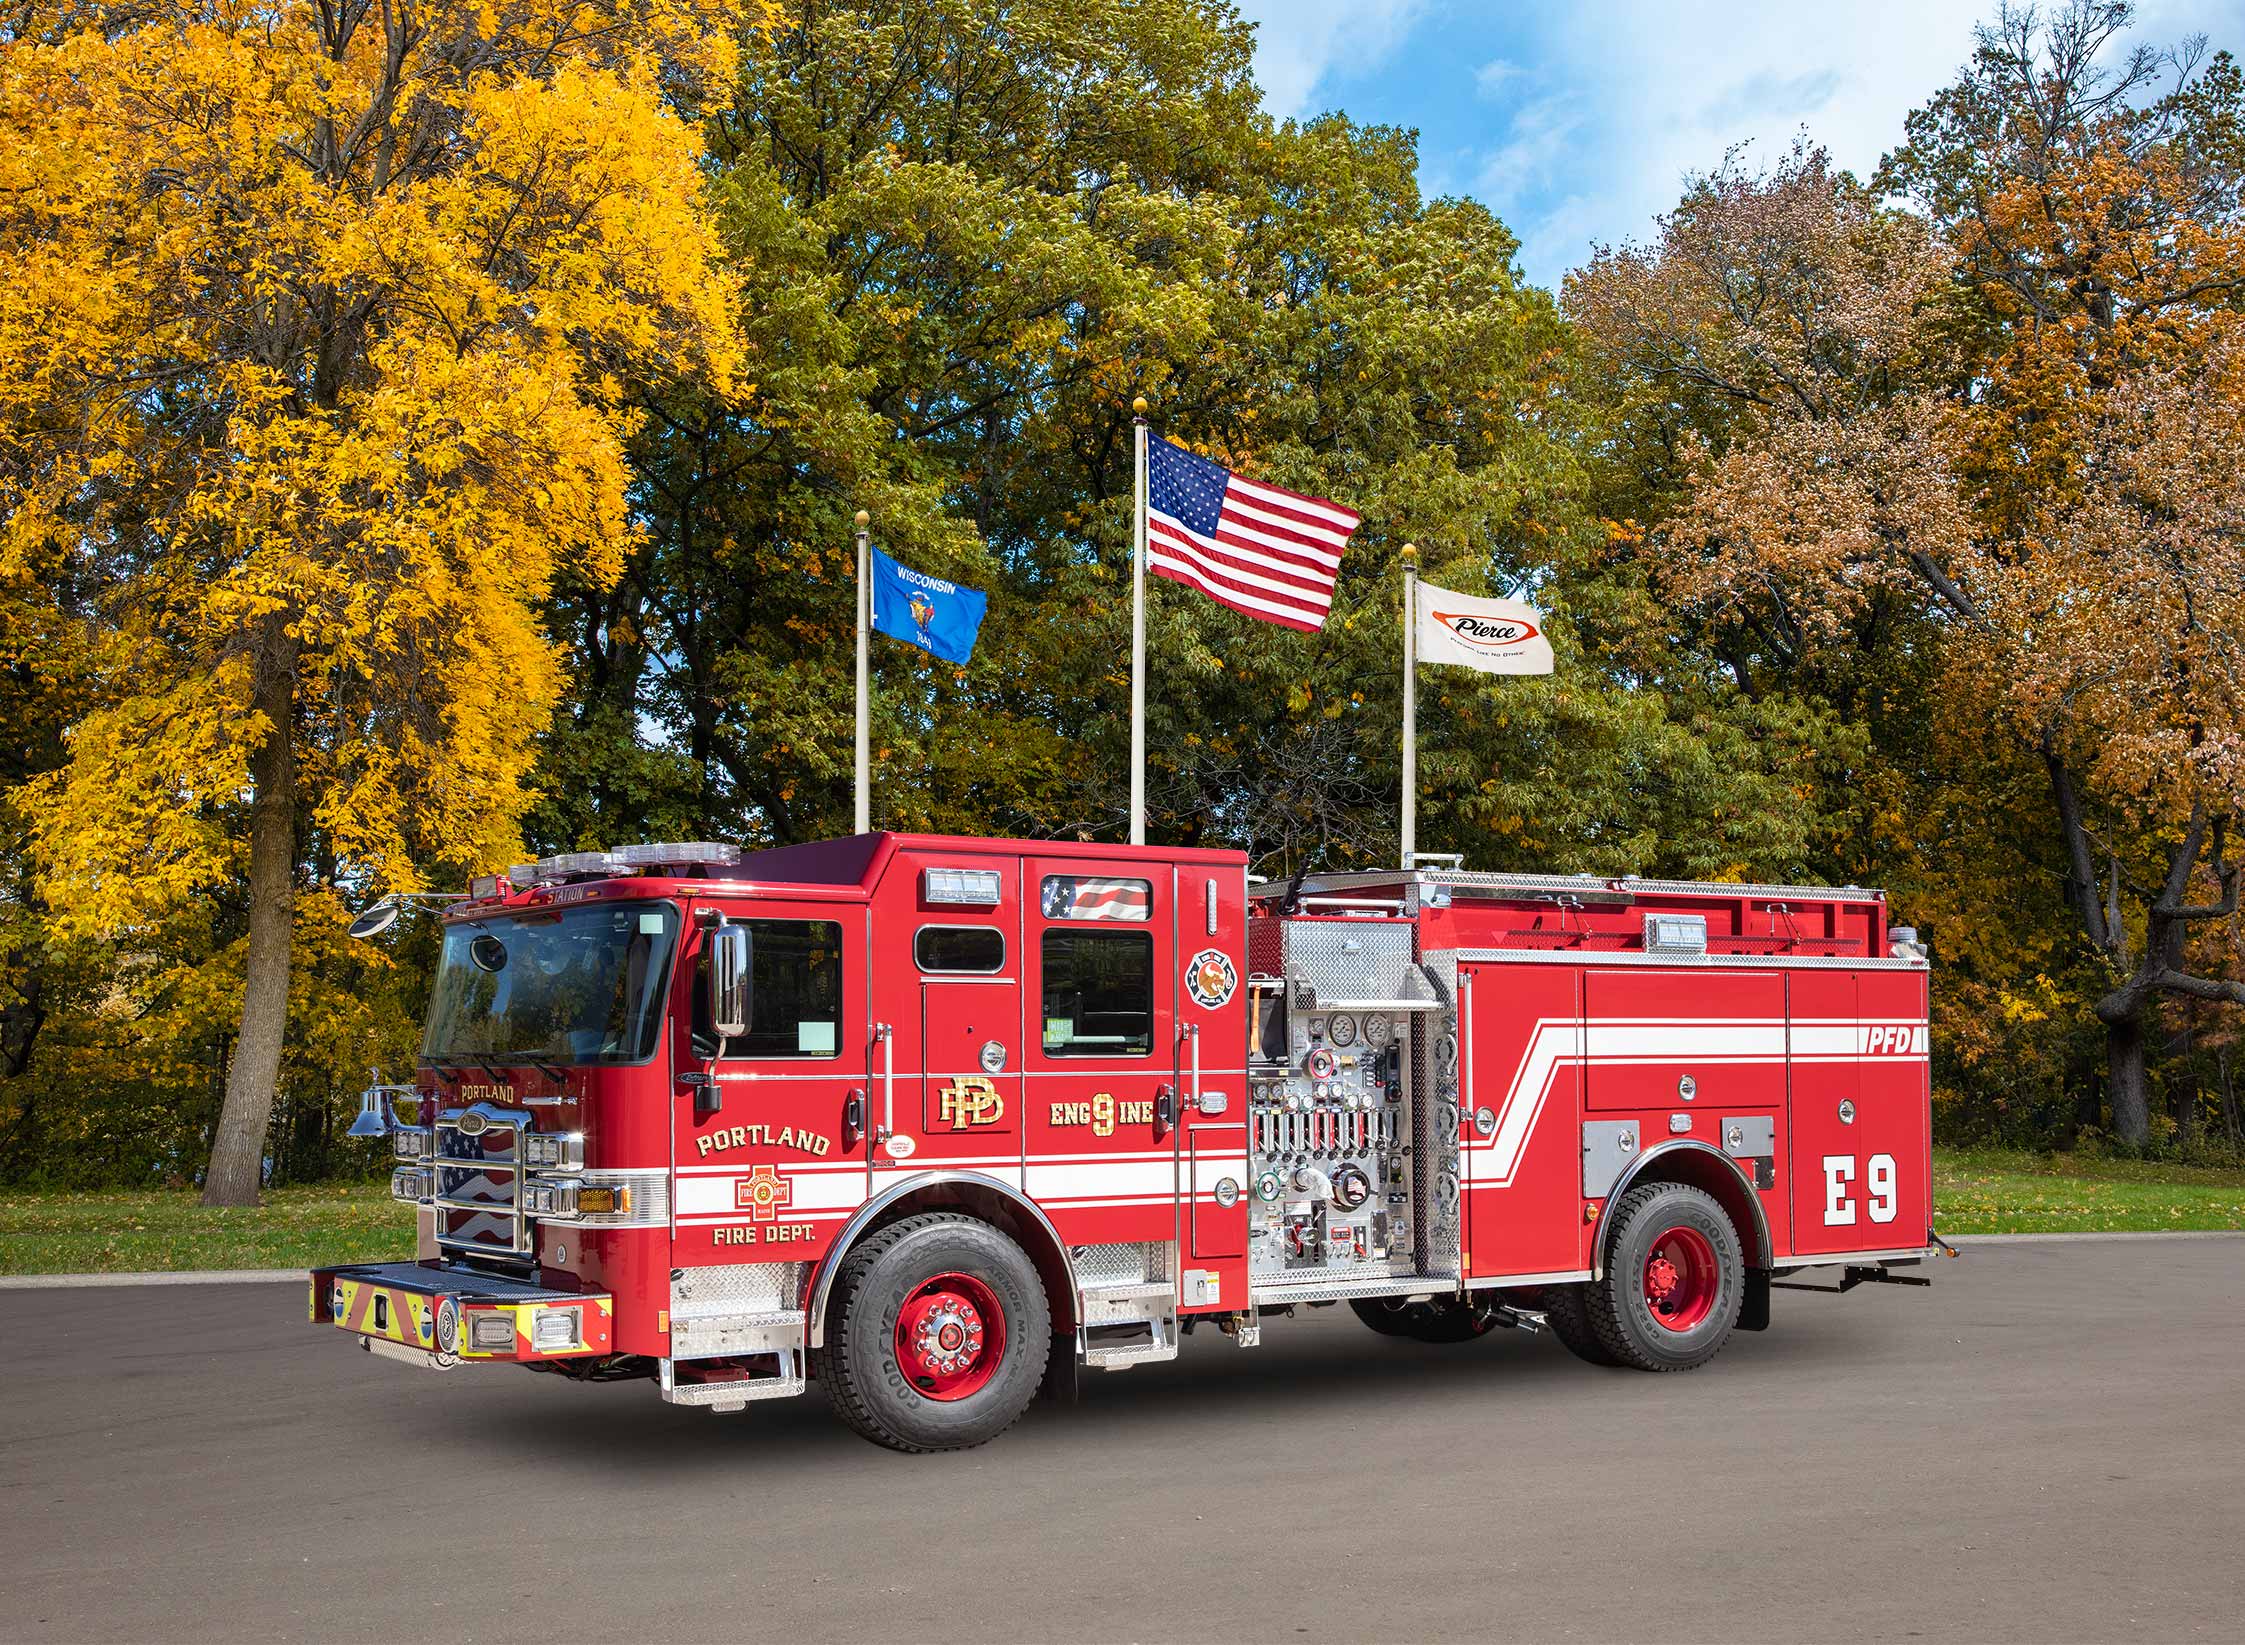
<point>1576,122</point>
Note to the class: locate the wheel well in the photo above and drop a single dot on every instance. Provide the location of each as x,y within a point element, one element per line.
<point>1695,1165</point>
<point>983,1198</point>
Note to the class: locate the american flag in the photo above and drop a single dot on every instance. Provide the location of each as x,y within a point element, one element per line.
<point>1272,554</point>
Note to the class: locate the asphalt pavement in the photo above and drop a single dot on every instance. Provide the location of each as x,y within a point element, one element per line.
<point>2044,1446</point>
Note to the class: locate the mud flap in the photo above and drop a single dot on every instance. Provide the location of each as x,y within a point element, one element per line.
<point>1062,1365</point>
<point>1753,1309</point>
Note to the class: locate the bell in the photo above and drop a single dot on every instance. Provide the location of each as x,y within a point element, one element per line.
<point>374,1116</point>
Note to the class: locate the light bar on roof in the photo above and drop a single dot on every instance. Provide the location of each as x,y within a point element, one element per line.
<point>678,854</point>
<point>971,887</point>
<point>578,862</point>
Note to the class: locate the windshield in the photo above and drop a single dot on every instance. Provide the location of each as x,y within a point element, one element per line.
<point>582,985</point>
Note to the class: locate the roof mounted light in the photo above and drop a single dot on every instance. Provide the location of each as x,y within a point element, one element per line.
<point>679,854</point>
<point>1675,933</point>
<point>577,864</point>
<point>971,887</point>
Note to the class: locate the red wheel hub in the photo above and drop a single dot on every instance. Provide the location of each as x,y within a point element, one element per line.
<point>950,1336</point>
<point>1681,1278</point>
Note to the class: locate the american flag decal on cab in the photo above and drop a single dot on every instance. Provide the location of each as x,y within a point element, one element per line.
<point>1081,897</point>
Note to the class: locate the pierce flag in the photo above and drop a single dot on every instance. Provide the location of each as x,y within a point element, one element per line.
<point>1474,631</point>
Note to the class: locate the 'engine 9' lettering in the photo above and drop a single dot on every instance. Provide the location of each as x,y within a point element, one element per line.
<point>1839,1177</point>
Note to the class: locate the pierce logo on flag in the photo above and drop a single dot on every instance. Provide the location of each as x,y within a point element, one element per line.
<point>1270,553</point>
<point>1493,636</point>
<point>1483,634</point>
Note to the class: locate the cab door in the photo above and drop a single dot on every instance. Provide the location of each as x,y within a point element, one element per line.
<point>1101,1047</point>
<point>769,1131</point>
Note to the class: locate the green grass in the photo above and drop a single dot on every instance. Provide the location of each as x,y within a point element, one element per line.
<point>102,1233</point>
<point>1989,1191</point>
<point>1976,1191</point>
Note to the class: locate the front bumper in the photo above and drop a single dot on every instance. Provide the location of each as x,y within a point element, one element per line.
<point>439,1316</point>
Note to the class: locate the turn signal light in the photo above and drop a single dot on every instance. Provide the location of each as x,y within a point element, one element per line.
<point>603,1202</point>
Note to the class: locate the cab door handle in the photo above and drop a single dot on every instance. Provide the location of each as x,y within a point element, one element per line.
<point>853,1118</point>
<point>1165,1111</point>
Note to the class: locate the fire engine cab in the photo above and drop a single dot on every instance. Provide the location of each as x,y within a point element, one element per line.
<point>941,1121</point>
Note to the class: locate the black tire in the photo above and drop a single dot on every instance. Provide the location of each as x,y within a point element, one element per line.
<point>1625,1317</point>
<point>1567,1308</point>
<point>859,1365</point>
<point>1446,1321</point>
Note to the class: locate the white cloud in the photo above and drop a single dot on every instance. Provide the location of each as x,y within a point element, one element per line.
<point>1493,76</point>
<point>1671,85</point>
<point>1301,42</point>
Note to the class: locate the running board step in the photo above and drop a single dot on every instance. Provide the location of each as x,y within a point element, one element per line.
<point>1121,1353</point>
<point>725,1394</point>
<point>1129,1304</point>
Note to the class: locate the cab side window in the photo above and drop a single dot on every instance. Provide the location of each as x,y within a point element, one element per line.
<point>796,993</point>
<point>1098,993</point>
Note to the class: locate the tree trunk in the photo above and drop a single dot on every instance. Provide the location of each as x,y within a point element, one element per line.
<point>2229,1099</point>
<point>2124,1069</point>
<point>238,1150</point>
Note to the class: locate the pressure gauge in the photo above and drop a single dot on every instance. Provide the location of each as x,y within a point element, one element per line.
<point>1342,1028</point>
<point>1378,1030</point>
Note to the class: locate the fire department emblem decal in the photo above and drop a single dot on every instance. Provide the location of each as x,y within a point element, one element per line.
<point>1210,979</point>
<point>762,1193</point>
<point>968,1102</point>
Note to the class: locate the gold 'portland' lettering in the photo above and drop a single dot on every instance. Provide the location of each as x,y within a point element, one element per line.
<point>762,1136</point>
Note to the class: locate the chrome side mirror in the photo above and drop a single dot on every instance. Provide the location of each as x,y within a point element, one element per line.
<point>731,954</point>
<point>376,920</point>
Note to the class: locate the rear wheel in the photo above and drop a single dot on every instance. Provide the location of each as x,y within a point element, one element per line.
<point>1567,1307</point>
<point>1675,1278</point>
<point>1449,1320</point>
<point>938,1336</point>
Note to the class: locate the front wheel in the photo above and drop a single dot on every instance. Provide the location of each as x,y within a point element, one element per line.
<point>1675,1279</point>
<point>939,1334</point>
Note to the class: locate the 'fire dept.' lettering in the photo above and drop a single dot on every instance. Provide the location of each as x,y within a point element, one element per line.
<point>762,1136</point>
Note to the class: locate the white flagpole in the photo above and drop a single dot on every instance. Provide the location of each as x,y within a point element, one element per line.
<point>1138,632</point>
<point>1410,702</point>
<point>864,698</point>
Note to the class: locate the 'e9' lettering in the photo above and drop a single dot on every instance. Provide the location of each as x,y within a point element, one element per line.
<point>1839,1177</point>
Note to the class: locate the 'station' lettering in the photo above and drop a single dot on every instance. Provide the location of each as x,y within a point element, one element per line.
<point>762,1136</point>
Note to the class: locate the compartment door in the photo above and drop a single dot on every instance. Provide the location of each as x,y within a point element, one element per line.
<point>1861,1165</point>
<point>1520,1080</point>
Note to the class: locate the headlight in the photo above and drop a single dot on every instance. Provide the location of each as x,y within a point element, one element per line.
<point>552,1151</point>
<point>551,1199</point>
<point>410,1142</point>
<point>411,1183</point>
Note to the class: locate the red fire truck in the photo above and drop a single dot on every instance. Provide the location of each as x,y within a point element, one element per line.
<point>941,1121</point>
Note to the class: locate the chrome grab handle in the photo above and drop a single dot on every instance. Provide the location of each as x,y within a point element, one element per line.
<point>1192,1031</point>
<point>887,1036</point>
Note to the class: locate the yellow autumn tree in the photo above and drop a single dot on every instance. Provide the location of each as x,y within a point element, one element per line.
<point>314,359</point>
